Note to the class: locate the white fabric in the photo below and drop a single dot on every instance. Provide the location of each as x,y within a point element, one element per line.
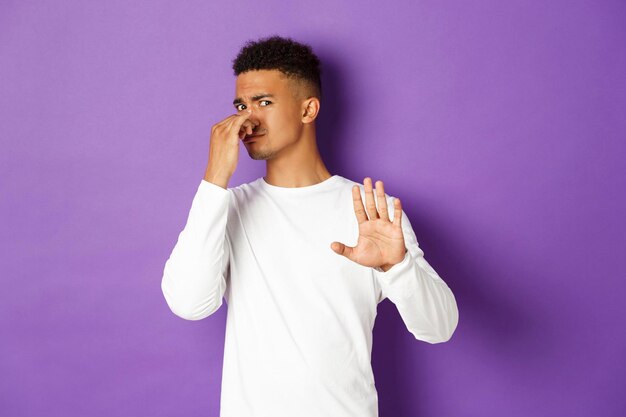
<point>299,316</point>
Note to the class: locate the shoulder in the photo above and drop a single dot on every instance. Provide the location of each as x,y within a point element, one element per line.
<point>244,194</point>
<point>245,188</point>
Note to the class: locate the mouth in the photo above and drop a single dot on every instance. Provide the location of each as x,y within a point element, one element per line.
<point>251,137</point>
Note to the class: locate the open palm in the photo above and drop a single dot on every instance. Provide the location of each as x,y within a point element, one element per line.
<point>381,241</point>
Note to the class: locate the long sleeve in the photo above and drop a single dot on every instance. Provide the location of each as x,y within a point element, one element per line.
<point>197,271</point>
<point>425,303</point>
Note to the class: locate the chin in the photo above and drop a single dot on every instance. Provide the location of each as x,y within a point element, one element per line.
<point>261,156</point>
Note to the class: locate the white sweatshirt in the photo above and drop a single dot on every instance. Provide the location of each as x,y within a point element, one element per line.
<point>300,316</point>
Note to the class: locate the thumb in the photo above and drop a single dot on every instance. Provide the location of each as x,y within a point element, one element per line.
<point>342,249</point>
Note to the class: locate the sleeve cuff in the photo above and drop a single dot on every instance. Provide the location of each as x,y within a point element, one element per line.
<point>208,187</point>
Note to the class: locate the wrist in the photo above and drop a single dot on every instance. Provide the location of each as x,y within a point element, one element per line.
<point>216,178</point>
<point>386,267</point>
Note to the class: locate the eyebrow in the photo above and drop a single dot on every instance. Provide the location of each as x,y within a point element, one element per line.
<point>254,98</point>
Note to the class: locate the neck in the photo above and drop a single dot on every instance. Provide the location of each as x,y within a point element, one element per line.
<point>298,166</point>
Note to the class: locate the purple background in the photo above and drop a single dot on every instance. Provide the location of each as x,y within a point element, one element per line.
<point>500,125</point>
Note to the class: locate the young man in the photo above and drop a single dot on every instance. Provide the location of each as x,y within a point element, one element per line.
<point>301,303</point>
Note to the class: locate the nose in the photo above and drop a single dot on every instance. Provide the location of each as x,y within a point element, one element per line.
<point>253,119</point>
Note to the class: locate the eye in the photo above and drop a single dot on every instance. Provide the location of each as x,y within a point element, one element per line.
<point>237,107</point>
<point>265,100</point>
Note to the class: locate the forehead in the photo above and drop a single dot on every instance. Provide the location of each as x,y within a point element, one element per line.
<point>260,81</point>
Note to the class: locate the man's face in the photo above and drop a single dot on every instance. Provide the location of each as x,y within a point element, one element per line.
<point>275,111</point>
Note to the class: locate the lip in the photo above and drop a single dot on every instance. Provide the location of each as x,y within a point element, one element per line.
<point>251,137</point>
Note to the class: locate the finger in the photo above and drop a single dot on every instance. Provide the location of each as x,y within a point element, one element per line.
<point>249,126</point>
<point>237,123</point>
<point>230,121</point>
<point>226,121</point>
<point>382,201</point>
<point>370,204</point>
<point>397,212</point>
<point>224,124</point>
<point>342,249</point>
<point>240,119</point>
<point>359,210</point>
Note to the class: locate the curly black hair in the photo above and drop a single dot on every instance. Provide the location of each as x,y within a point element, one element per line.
<point>294,59</point>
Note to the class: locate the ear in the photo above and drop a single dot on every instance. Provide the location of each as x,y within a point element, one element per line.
<point>310,109</point>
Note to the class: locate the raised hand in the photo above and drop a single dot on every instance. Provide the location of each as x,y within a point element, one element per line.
<point>381,242</point>
<point>224,146</point>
